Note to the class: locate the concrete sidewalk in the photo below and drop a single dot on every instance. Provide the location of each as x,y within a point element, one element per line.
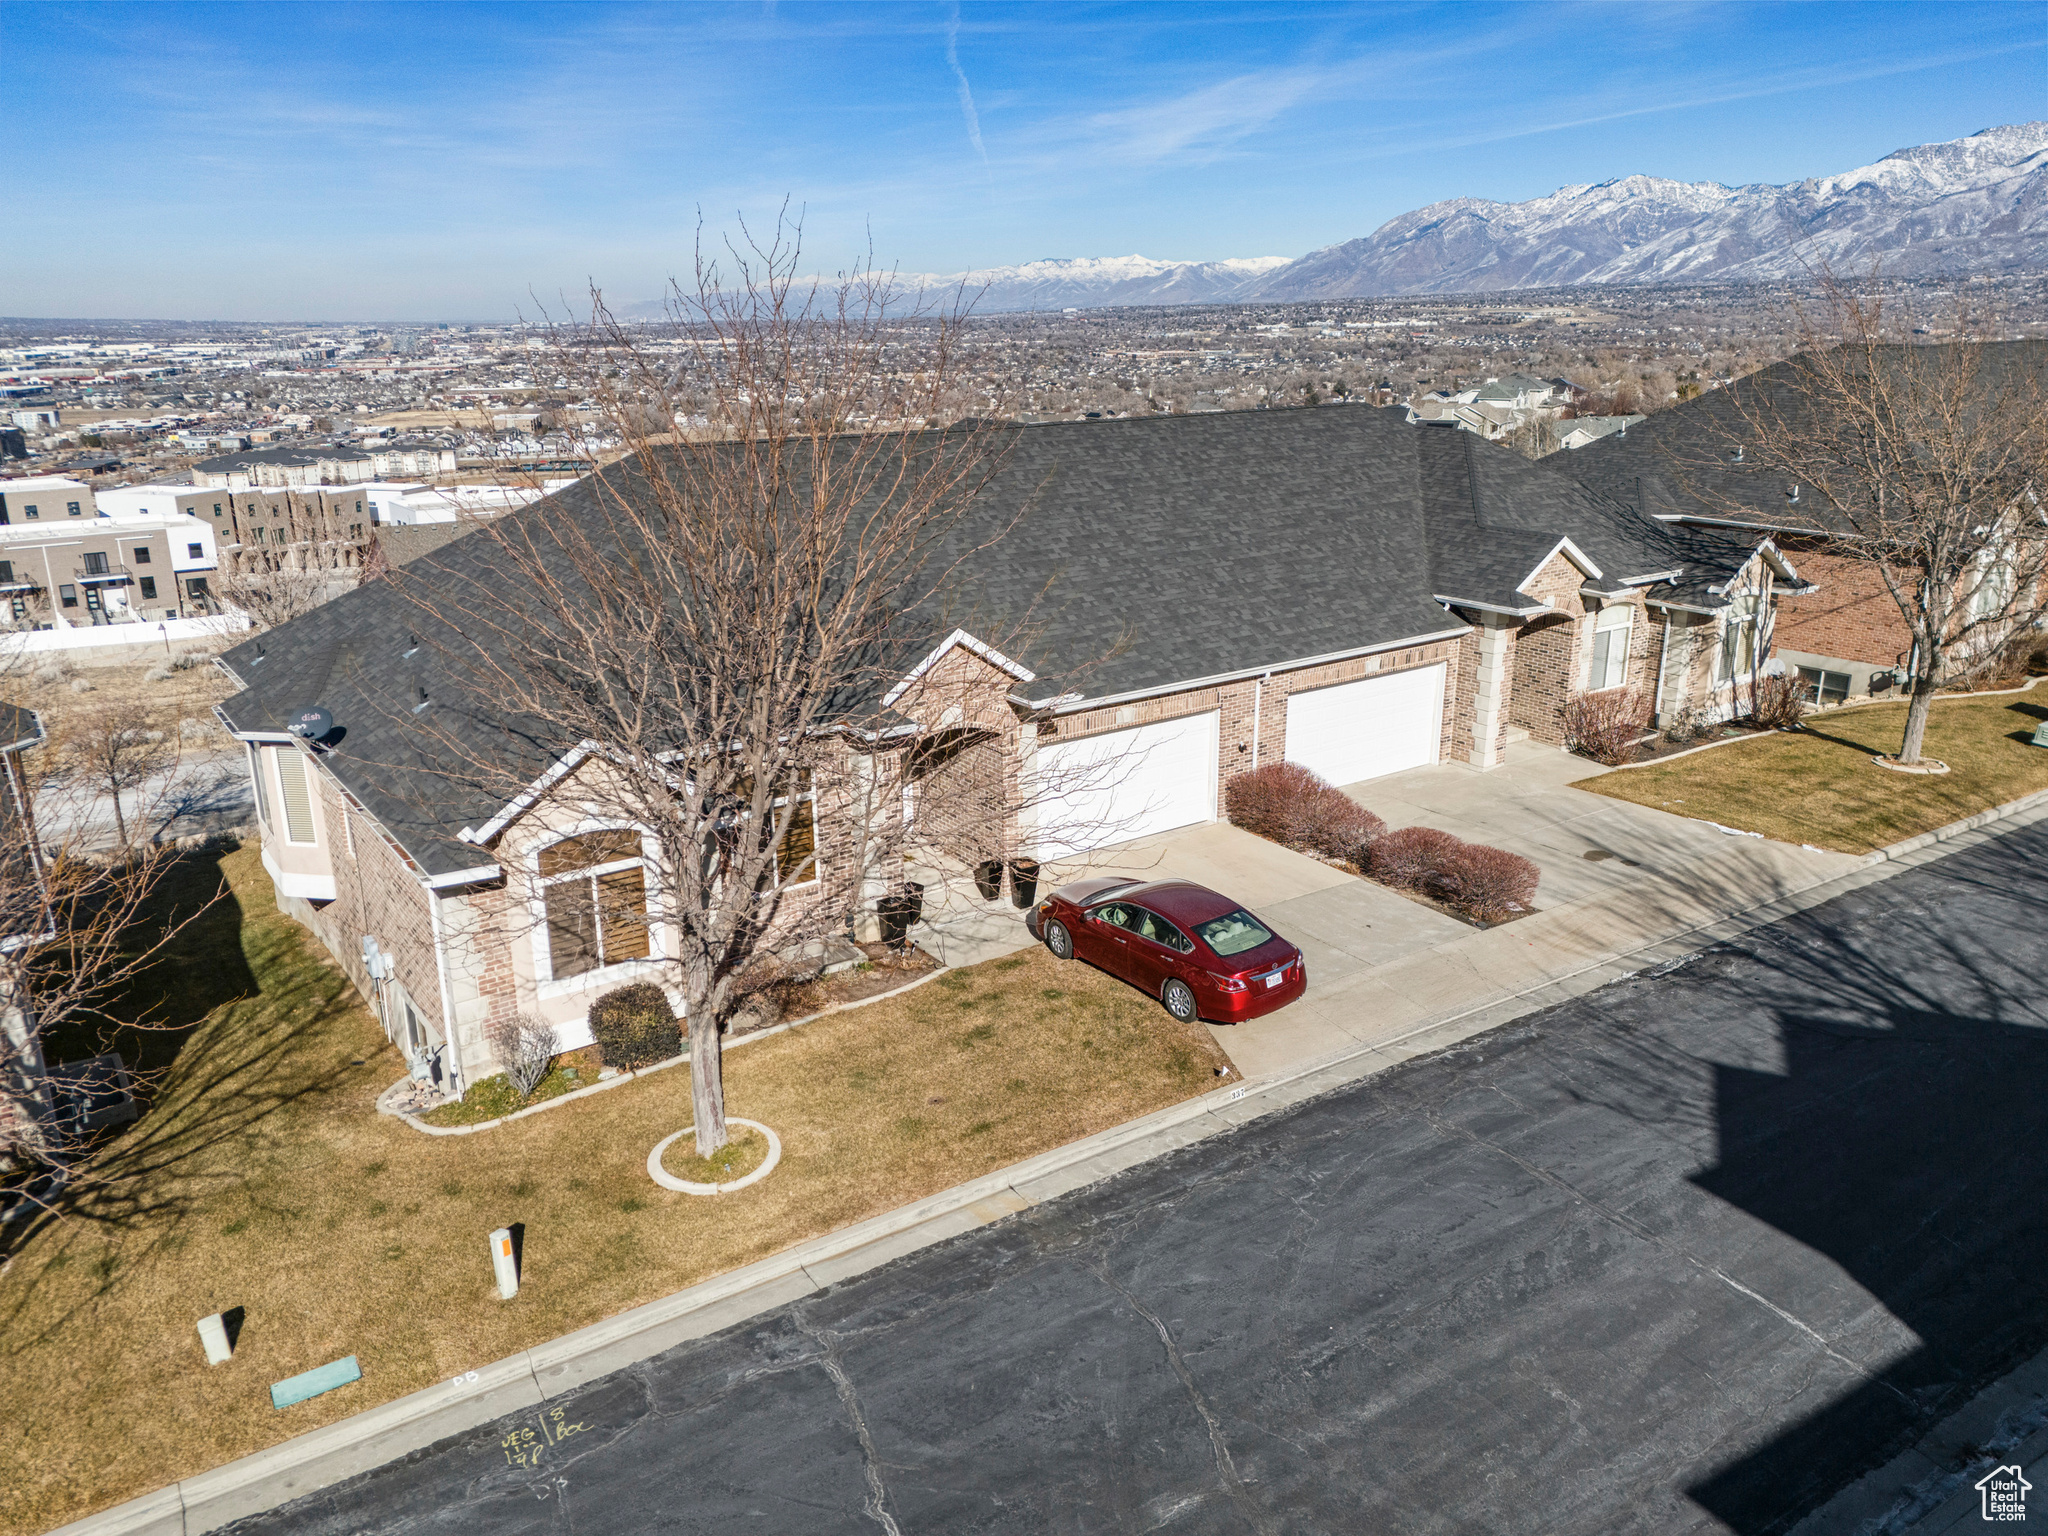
<point>326,1456</point>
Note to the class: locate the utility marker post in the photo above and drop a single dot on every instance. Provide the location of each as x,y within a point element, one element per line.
<point>502,1263</point>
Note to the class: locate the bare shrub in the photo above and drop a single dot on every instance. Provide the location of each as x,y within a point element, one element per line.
<point>1338,827</point>
<point>1489,884</point>
<point>1687,726</point>
<point>1777,702</point>
<point>1295,806</point>
<point>1412,858</point>
<point>1268,801</point>
<point>526,1047</point>
<point>1605,726</point>
<point>160,673</point>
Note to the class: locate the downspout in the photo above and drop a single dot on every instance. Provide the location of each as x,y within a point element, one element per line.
<point>1663,666</point>
<point>452,1043</point>
<point>1258,706</point>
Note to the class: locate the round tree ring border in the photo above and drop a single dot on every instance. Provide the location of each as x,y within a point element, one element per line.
<point>1928,765</point>
<point>668,1180</point>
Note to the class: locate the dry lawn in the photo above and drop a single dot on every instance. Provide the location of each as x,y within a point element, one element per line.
<point>1818,785</point>
<point>185,695</point>
<point>263,1179</point>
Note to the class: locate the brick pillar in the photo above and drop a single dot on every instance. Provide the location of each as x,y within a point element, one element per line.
<point>1492,689</point>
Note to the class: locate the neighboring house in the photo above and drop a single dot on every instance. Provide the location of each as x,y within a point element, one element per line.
<point>1496,408</point>
<point>65,562</point>
<point>1332,588</point>
<point>1581,430</point>
<point>1686,467</point>
<point>334,464</point>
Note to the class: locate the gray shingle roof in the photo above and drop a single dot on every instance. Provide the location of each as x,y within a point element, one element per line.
<point>1178,548</point>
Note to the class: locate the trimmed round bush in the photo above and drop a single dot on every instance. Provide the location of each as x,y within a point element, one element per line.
<point>634,1026</point>
<point>1269,801</point>
<point>1413,858</point>
<point>1289,804</point>
<point>1490,884</point>
<point>1338,827</point>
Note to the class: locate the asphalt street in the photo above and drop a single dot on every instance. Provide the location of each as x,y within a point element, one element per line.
<point>1687,1254</point>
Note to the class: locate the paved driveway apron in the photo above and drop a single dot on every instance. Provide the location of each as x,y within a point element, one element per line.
<point>1684,1254</point>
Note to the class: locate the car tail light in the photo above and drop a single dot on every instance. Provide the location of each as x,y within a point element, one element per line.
<point>1229,984</point>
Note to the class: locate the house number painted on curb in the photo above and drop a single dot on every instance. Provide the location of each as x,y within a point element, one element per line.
<point>1238,1093</point>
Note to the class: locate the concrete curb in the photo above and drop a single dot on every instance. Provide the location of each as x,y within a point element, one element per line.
<point>323,1457</point>
<point>1956,829</point>
<point>626,1077</point>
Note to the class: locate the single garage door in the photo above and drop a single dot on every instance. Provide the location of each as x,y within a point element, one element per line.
<point>1361,730</point>
<point>1126,784</point>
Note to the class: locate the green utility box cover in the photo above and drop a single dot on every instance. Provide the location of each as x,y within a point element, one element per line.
<point>2041,734</point>
<point>325,1378</point>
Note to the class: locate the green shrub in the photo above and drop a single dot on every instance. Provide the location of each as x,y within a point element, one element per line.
<point>634,1026</point>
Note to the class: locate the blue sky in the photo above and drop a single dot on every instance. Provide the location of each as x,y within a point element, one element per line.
<point>259,161</point>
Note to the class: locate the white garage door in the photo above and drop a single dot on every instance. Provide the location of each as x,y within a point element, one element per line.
<point>1361,730</point>
<point>1108,789</point>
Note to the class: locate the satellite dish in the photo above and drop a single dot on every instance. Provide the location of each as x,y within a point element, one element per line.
<point>313,723</point>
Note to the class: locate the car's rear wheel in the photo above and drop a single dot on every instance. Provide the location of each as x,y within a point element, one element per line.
<point>1058,940</point>
<point>1179,998</point>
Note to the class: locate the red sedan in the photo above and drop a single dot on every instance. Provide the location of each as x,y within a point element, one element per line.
<point>1200,954</point>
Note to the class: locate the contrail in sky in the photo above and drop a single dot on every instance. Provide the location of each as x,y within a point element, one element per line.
<point>966,95</point>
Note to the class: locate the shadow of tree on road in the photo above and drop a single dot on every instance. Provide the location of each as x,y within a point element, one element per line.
<point>1907,1139</point>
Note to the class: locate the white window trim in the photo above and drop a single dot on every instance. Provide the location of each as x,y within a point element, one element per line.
<point>546,982</point>
<point>1603,624</point>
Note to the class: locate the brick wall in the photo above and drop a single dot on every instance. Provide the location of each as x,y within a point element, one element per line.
<point>1240,704</point>
<point>1851,615</point>
<point>377,892</point>
<point>1545,670</point>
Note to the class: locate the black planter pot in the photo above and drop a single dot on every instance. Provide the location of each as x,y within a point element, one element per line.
<point>988,878</point>
<point>1024,882</point>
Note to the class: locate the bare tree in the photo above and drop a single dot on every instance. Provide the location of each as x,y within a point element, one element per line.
<point>702,653</point>
<point>78,931</point>
<point>275,594</point>
<point>118,749</point>
<point>1922,464</point>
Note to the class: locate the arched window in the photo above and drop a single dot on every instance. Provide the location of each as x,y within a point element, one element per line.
<point>594,888</point>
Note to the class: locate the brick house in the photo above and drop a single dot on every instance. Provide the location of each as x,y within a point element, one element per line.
<point>1687,469</point>
<point>1179,600</point>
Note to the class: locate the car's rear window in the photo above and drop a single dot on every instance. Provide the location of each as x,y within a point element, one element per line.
<point>1233,934</point>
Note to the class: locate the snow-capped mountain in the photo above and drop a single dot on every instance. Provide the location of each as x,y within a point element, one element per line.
<point>1969,205</point>
<point>1078,282</point>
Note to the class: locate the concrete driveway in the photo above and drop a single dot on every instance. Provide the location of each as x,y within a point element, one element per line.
<point>1616,877</point>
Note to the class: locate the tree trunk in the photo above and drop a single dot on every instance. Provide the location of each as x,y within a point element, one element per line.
<point>1916,719</point>
<point>707,1074</point>
<point>120,821</point>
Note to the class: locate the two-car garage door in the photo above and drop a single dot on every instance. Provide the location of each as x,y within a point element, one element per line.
<point>1362,730</point>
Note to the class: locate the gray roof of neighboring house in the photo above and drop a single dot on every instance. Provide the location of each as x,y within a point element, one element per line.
<point>404,543</point>
<point>1145,553</point>
<point>20,727</point>
<point>1682,459</point>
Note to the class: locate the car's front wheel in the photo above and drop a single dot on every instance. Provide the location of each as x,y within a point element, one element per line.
<point>1179,998</point>
<point>1058,940</point>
